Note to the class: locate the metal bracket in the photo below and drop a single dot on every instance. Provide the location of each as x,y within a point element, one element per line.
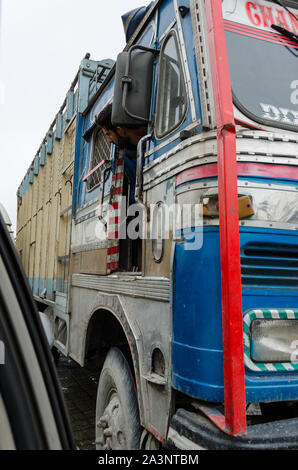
<point>183,11</point>
<point>155,379</point>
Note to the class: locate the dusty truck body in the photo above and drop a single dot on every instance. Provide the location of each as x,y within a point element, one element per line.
<point>194,330</point>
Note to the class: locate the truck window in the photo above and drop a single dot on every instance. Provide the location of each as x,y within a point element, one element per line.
<point>263,63</point>
<point>100,155</point>
<point>171,100</point>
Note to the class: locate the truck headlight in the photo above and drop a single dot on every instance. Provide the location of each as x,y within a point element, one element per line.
<point>274,341</point>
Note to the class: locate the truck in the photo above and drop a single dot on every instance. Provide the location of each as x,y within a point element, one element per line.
<point>180,282</point>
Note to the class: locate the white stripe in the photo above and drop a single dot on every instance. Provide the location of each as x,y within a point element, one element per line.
<point>250,364</point>
<point>113,228</point>
<point>114,213</point>
<point>259,313</point>
<point>290,314</point>
<point>287,366</point>
<point>274,313</point>
<point>270,367</point>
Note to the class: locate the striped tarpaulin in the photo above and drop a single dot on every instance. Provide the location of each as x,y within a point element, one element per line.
<point>114,214</point>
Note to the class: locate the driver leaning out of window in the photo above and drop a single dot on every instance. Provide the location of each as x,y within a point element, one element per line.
<point>124,138</point>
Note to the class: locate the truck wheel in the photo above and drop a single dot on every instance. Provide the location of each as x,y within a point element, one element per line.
<point>117,415</point>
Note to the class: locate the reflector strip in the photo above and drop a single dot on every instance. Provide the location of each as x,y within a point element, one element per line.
<point>249,317</point>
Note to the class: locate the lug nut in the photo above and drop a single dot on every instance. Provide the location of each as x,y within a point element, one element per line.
<point>108,432</point>
<point>104,421</point>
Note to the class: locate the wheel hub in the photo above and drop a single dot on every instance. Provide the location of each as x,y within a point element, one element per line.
<point>110,432</point>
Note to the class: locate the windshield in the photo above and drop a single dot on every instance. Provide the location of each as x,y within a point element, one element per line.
<point>263,63</point>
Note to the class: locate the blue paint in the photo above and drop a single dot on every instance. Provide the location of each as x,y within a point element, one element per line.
<point>187,32</point>
<point>59,127</point>
<point>43,155</point>
<point>78,148</point>
<point>31,176</point>
<point>82,196</point>
<point>36,165</point>
<point>166,13</point>
<point>273,180</point>
<point>103,66</point>
<point>27,180</point>
<point>105,98</point>
<point>21,189</point>
<point>70,105</point>
<point>38,285</point>
<point>197,334</point>
<point>50,143</point>
<point>148,37</point>
<point>59,284</point>
<point>132,19</point>
<point>41,285</point>
<point>35,286</point>
<point>197,322</point>
<point>186,23</point>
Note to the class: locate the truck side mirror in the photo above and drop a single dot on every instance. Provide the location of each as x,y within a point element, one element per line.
<point>133,87</point>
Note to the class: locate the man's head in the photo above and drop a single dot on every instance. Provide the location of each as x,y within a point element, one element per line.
<point>122,137</point>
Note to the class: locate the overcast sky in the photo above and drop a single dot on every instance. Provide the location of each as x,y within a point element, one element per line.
<point>42,43</point>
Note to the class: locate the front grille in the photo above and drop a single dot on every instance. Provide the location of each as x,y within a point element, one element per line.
<point>272,266</point>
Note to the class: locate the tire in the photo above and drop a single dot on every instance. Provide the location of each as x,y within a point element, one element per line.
<point>117,415</point>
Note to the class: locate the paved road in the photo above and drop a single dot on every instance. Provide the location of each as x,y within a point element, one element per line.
<point>79,386</point>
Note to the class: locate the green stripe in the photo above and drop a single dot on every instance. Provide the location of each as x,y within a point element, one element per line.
<point>279,367</point>
<point>267,314</point>
<point>282,315</point>
<point>262,367</point>
<point>252,316</point>
<point>246,328</point>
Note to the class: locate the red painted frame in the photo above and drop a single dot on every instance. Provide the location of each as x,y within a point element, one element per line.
<point>264,170</point>
<point>232,321</point>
